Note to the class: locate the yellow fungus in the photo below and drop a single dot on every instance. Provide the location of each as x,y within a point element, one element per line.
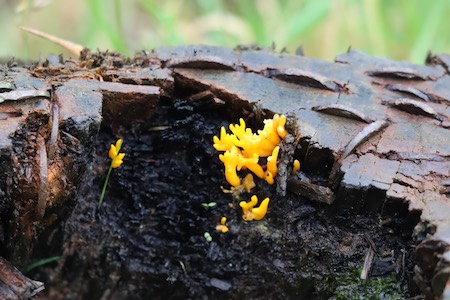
<point>232,160</point>
<point>231,176</point>
<point>272,161</point>
<point>225,142</point>
<point>116,161</point>
<point>243,149</point>
<point>239,130</point>
<point>248,206</point>
<point>260,212</point>
<point>117,158</point>
<point>280,128</point>
<point>270,130</point>
<point>114,149</point>
<point>269,178</point>
<point>249,212</point>
<point>248,182</point>
<point>222,227</point>
<point>296,167</point>
<point>256,169</point>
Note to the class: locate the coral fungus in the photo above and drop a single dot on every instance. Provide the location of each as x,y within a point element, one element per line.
<point>244,148</point>
<point>249,212</point>
<point>296,166</point>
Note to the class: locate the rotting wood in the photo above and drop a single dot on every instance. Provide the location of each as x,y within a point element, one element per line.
<point>14,285</point>
<point>43,178</point>
<point>414,138</point>
<point>311,191</point>
<point>54,131</point>
<point>407,161</point>
<point>21,95</point>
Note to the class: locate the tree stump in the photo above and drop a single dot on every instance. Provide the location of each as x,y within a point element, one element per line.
<point>372,135</point>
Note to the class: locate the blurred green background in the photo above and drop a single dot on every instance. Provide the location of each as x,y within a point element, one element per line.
<point>397,29</point>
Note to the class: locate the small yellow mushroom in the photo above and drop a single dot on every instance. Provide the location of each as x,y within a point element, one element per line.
<point>116,161</point>
<point>117,158</point>
<point>296,167</point>
<point>249,212</point>
<point>248,206</point>
<point>114,149</point>
<point>260,212</point>
<point>253,144</point>
<point>222,227</point>
<point>248,182</point>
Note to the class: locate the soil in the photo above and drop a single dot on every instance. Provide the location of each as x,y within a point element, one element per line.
<point>148,236</point>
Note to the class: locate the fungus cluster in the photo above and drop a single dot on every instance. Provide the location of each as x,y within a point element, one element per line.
<point>249,212</point>
<point>256,152</point>
<point>243,149</point>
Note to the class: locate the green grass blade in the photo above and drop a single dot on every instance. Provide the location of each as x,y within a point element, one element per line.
<point>42,262</point>
<point>166,18</point>
<point>100,13</point>
<point>248,10</point>
<point>374,26</point>
<point>305,18</point>
<point>433,21</point>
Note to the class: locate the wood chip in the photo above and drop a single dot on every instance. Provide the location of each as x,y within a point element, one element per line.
<point>311,191</point>
<point>368,262</point>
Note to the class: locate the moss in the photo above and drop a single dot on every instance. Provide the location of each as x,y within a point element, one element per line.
<point>350,286</point>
